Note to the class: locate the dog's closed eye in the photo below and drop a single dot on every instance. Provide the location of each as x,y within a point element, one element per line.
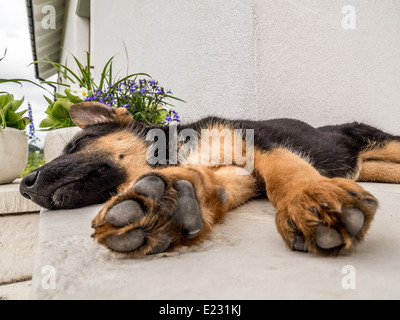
<point>75,145</point>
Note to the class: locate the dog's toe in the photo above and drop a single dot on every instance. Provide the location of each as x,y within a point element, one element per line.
<point>126,242</point>
<point>151,186</point>
<point>299,243</point>
<point>327,238</point>
<point>124,213</point>
<point>161,246</point>
<point>353,220</point>
<point>187,213</point>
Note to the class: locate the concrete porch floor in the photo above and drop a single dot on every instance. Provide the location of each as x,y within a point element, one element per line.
<point>244,258</point>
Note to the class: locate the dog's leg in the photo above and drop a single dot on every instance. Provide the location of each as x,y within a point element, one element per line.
<point>381,163</point>
<point>314,213</point>
<point>380,171</point>
<point>170,206</point>
<point>388,152</point>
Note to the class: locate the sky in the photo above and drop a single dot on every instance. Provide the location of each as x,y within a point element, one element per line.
<point>15,36</point>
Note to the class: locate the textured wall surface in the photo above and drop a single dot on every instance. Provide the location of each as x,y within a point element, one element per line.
<point>310,68</point>
<point>261,59</point>
<point>201,50</point>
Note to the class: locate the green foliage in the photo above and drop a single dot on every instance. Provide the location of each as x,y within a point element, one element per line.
<point>9,115</point>
<point>84,88</point>
<point>57,114</point>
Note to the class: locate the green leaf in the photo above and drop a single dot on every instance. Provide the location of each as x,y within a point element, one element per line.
<point>21,113</point>
<point>49,101</point>
<point>61,109</point>
<point>20,81</point>
<point>61,124</point>
<point>5,99</point>
<point>85,73</point>
<point>71,97</point>
<point>14,105</point>
<point>55,83</point>
<point>104,73</point>
<point>12,118</point>
<point>58,67</point>
<point>49,111</point>
<point>59,96</point>
<point>175,98</point>
<point>47,123</point>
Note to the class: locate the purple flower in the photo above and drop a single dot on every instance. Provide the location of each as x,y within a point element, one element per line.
<point>31,135</point>
<point>159,90</point>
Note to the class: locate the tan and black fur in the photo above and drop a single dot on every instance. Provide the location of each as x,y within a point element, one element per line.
<point>309,175</point>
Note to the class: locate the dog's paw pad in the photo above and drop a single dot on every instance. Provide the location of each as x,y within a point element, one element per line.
<point>161,246</point>
<point>126,242</point>
<point>187,213</point>
<point>299,243</point>
<point>124,213</point>
<point>327,238</point>
<point>353,220</point>
<point>151,186</point>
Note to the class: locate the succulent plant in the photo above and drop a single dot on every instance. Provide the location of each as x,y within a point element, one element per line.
<point>9,114</point>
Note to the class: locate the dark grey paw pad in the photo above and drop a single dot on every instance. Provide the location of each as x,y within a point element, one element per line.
<point>124,213</point>
<point>161,246</point>
<point>126,242</point>
<point>152,187</point>
<point>187,213</point>
<point>299,243</point>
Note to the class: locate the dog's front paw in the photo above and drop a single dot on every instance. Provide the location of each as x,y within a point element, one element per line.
<point>149,217</point>
<point>328,217</point>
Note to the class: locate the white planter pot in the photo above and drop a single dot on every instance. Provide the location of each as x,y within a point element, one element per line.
<point>13,154</point>
<point>56,140</point>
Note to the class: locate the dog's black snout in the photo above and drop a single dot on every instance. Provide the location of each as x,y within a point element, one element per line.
<point>27,185</point>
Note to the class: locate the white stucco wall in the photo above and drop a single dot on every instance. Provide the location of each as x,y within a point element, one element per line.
<point>261,59</point>
<point>201,50</point>
<point>75,38</point>
<point>310,68</point>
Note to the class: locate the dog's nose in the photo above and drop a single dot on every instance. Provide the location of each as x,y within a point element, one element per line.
<point>27,186</point>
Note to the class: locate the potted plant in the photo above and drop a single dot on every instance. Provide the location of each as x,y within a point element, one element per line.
<point>145,99</point>
<point>13,141</point>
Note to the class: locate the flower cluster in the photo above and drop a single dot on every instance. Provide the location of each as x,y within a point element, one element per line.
<point>76,90</point>
<point>31,135</point>
<point>172,116</point>
<point>144,99</point>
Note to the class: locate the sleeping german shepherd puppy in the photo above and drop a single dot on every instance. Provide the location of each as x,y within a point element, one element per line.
<point>158,198</point>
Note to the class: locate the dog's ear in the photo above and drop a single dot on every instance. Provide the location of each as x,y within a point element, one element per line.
<point>84,114</point>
